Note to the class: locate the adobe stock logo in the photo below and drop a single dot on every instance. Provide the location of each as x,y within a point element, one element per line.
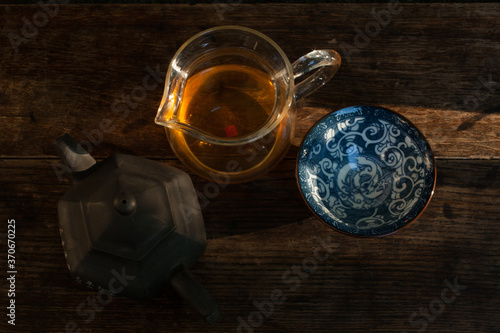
<point>372,29</point>
<point>427,314</point>
<point>121,107</point>
<point>485,88</point>
<point>293,277</point>
<point>40,19</point>
<point>102,298</point>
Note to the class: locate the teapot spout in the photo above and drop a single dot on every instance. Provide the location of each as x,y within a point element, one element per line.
<point>73,155</point>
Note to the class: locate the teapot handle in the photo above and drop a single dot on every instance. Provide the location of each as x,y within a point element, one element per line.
<point>192,291</point>
<point>327,62</point>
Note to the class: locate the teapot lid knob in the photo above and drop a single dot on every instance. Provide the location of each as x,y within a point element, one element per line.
<point>125,204</point>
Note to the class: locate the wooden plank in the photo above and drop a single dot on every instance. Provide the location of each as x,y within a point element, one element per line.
<point>259,231</point>
<point>436,64</point>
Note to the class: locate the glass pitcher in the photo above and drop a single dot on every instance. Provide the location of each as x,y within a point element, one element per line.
<point>229,101</point>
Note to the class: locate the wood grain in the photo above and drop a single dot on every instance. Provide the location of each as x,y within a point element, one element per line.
<point>258,231</point>
<point>436,64</point>
<point>428,63</point>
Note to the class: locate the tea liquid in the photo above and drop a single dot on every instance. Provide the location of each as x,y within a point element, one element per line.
<point>228,100</point>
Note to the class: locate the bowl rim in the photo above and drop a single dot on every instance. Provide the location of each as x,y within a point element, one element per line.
<point>431,153</point>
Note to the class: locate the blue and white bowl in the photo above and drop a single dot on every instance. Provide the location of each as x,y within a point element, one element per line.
<point>366,171</point>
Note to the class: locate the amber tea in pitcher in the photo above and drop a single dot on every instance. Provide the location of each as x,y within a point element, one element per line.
<point>229,101</point>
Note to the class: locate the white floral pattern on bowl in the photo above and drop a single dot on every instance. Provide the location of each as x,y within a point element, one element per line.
<point>366,171</point>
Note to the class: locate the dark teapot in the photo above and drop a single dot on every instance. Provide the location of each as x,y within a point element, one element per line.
<point>131,226</point>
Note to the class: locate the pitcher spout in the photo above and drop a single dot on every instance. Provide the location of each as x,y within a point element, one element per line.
<point>168,116</point>
<point>167,111</point>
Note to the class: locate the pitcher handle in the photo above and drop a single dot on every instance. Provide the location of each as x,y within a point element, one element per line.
<point>327,62</point>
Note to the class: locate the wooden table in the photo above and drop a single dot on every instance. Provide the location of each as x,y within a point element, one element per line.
<point>436,64</point>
